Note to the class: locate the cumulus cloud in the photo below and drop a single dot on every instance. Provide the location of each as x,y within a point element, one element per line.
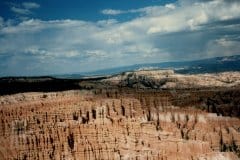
<point>159,33</point>
<point>177,17</point>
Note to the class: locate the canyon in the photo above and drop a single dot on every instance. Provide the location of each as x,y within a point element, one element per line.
<point>134,115</point>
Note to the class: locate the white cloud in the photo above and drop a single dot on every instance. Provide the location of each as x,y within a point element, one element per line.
<point>108,22</point>
<point>177,17</point>
<point>24,8</point>
<point>1,22</point>
<point>192,17</point>
<point>162,33</point>
<point>72,53</point>
<point>30,5</point>
<point>35,51</point>
<point>20,10</point>
<point>223,45</point>
<point>96,53</point>
<point>112,12</point>
<point>170,6</point>
<point>150,10</point>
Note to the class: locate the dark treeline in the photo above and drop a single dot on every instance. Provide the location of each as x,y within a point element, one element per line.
<point>12,85</point>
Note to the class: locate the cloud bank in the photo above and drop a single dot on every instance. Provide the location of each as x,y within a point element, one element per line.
<point>183,30</point>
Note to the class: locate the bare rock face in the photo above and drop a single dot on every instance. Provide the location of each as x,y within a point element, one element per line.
<point>167,79</point>
<point>84,125</point>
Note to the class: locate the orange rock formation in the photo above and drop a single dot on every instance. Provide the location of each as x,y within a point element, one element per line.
<point>83,125</point>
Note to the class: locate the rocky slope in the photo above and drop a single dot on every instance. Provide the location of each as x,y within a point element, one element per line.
<point>167,79</point>
<point>154,114</point>
<point>113,124</point>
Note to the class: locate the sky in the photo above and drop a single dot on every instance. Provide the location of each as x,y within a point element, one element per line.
<point>47,37</point>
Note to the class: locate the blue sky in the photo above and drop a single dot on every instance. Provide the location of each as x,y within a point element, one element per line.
<point>55,36</point>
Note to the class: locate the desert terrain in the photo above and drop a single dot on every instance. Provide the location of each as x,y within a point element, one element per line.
<point>157,115</point>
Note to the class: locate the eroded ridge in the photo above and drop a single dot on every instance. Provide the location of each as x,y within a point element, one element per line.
<point>82,125</point>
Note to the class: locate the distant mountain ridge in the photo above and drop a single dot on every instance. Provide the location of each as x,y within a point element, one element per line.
<point>210,65</point>
<point>11,85</point>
